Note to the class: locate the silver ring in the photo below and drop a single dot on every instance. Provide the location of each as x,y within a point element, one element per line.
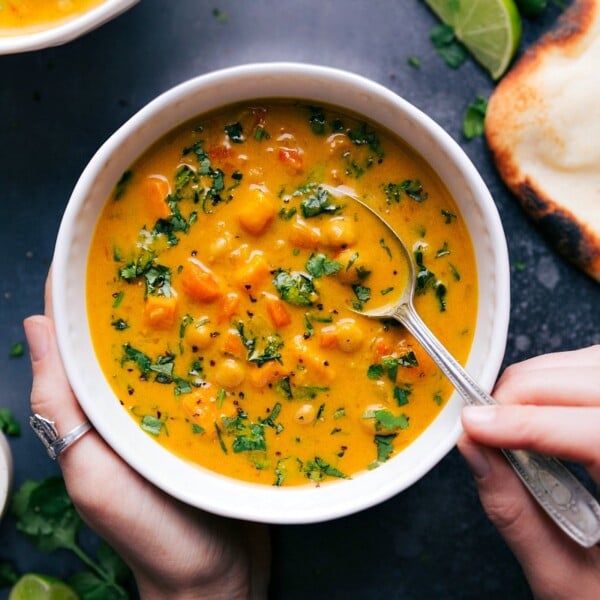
<point>46,431</point>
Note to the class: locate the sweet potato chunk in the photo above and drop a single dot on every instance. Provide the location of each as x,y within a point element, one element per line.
<point>160,311</point>
<point>200,283</point>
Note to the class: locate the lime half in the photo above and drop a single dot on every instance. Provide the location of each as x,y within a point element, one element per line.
<point>490,29</point>
<point>32,586</point>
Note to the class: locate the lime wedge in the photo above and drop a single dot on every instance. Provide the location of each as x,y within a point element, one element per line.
<point>490,29</point>
<point>32,586</point>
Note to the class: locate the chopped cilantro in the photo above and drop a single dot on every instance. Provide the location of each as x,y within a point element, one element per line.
<point>318,469</point>
<point>220,15</point>
<point>118,298</point>
<point>316,201</point>
<point>8,423</point>
<point>448,216</point>
<point>120,324</point>
<point>235,133</point>
<point>412,188</point>
<point>362,292</point>
<point>152,424</point>
<point>401,394</point>
<point>287,213</point>
<point>295,288</point>
<point>386,420</point>
<point>375,371</point>
<point>17,350</point>
<point>158,281</point>
<point>447,45</point>
<point>440,294</point>
<point>260,133</point>
<point>363,135</point>
<point>122,184</point>
<point>317,120</point>
<point>309,392</point>
<point>385,446</point>
<point>443,251</point>
<point>319,265</point>
<point>454,272</point>
<point>474,119</point>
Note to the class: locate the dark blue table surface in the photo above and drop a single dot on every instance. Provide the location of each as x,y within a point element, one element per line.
<point>57,106</point>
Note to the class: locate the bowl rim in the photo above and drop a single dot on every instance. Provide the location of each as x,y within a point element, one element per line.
<point>6,473</point>
<point>297,504</point>
<point>65,31</point>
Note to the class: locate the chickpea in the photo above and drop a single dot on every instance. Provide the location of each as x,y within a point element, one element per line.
<point>350,335</point>
<point>305,415</point>
<point>199,337</point>
<point>353,265</point>
<point>230,373</point>
<point>218,248</point>
<point>339,232</point>
<point>338,142</point>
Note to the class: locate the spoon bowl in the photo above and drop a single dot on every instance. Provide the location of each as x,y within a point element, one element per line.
<point>559,493</point>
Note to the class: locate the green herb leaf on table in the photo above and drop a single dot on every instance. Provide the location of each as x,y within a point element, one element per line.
<point>447,45</point>
<point>474,119</point>
<point>8,423</point>
<point>47,516</point>
<point>17,350</point>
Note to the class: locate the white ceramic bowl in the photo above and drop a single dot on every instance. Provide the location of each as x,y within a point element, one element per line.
<point>198,486</point>
<point>67,30</point>
<point>6,473</point>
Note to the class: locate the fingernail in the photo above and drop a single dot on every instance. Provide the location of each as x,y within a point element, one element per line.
<point>479,415</point>
<point>36,333</point>
<point>477,460</point>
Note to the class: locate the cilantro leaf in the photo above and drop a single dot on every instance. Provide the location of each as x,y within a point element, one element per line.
<point>317,201</point>
<point>8,423</point>
<point>235,133</point>
<point>318,469</point>
<point>447,45</point>
<point>474,119</point>
<point>319,265</point>
<point>385,446</point>
<point>295,288</point>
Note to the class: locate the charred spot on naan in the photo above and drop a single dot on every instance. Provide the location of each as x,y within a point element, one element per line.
<point>572,239</point>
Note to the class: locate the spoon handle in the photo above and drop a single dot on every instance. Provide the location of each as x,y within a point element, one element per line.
<point>568,503</point>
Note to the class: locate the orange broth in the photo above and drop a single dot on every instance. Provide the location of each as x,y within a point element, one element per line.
<point>221,278</point>
<point>27,16</point>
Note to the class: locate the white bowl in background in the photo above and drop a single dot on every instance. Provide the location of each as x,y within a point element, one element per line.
<point>198,486</point>
<point>6,473</point>
<point>65,31</point>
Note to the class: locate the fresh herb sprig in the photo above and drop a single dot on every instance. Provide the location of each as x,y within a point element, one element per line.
<point>46,515</point>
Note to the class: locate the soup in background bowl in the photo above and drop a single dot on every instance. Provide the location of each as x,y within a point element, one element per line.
<point>27,25</point>
<point>240,268</point>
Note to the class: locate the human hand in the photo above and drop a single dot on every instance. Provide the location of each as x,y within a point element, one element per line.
<point>549,404</point>
<point>174,550</point>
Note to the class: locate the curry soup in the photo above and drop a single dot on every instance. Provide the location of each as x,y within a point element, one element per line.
<point>28,16</point>
<point>222,278</point>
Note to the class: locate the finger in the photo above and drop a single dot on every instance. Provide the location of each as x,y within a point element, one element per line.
<point>562,385</point>
<point>570,433</point>
<point>51,395</point>
<point>519,519</point>
<point>583,357</point>
<point>52,398</point>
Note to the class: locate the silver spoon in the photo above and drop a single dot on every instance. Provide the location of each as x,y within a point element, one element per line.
<point>559,493</point>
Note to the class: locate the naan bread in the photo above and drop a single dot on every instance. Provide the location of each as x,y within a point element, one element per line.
<point>543,127</point>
